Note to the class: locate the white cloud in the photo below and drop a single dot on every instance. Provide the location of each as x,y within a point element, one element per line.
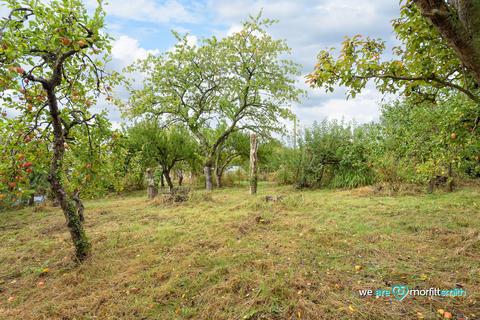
<point>363,109</point>
<point>126,50</point>
<point>147,10</point>
<point>320,105</point>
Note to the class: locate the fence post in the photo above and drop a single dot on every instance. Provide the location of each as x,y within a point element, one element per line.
<point>253,163</point>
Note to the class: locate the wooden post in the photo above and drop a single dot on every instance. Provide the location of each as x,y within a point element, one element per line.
<point>180,177</point>
<point>253,163</point>
<point>295,133</point>
<point>152,189</point>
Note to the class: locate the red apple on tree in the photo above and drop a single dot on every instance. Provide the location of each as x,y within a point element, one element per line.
<point>66,41</point>
<point>19,70</point>
<point>27,164</point>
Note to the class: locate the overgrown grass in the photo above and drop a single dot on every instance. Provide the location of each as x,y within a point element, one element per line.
<point>233,256</point>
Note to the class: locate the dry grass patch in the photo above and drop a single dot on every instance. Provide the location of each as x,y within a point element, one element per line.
<point>227,255</point>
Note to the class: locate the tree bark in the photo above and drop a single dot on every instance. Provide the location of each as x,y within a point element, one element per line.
<point>253,163</point>
<point>162,181</point>
<point>68,205</point>
<point>166,174</point>
<point>79,204</point>
<point>458,21</point>
<point>31,200</point>
<point>450,179</point>
<point>218,178</point>
<point>207,170</point>
<point>152,189</point>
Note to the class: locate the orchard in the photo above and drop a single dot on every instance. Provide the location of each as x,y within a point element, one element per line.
<point>218,177</point>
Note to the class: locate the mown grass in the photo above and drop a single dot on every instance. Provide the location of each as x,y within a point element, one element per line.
<point>233,256</point>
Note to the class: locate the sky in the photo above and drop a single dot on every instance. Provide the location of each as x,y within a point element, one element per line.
<point>141,27</point>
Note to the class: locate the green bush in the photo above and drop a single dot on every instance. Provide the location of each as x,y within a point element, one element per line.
<point>330,154</point>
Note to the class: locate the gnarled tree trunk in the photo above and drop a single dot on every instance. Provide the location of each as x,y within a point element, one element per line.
<point>218,173</point>
<point>458,21</point>
<point>166,174</point>
<point>79,204</point>
<point>69,207</point>
<point>218,178</point>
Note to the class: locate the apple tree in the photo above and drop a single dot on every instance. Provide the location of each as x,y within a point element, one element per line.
<point>161,147</point>
<point>52,57</point>
<point>424,66</point>
<point>240,80</point>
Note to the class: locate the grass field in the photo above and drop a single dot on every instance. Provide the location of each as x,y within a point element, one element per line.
<point>233,256</point>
